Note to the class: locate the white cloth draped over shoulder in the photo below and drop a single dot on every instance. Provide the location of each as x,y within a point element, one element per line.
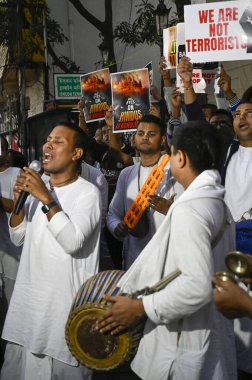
<point>185,338</point>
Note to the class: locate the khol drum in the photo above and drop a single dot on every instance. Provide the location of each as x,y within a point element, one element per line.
<point>103,352</point>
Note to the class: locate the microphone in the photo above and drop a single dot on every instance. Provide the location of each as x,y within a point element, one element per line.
<point>36,166</point>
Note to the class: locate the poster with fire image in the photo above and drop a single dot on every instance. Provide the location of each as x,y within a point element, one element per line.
<point>96,92</point>
<point>130,98</point>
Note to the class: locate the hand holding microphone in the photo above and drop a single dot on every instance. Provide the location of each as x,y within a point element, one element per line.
<point>29,182</point>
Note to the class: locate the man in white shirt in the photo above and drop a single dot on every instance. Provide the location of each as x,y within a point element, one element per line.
<point>238,181</point>
<point>184,337</point>
<point>237,176</point>
<point>60,229</point>
<point>149,138</point>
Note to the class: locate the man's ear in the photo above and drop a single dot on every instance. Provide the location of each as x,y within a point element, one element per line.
<point>78,153</point>
<point>182,158</point>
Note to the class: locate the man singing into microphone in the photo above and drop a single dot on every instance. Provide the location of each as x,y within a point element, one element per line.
<point>59,227</point>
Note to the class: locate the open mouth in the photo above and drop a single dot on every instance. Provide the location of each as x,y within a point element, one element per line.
<point>243,125</point>
<point>47,157</point>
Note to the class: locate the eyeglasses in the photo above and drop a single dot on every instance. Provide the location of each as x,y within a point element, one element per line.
<point>239,114</point>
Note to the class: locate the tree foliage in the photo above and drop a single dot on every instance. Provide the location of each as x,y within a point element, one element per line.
<point>142,30</point>
<point>28,18</point>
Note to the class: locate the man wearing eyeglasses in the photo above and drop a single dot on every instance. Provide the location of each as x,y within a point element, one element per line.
<point>223,121</point>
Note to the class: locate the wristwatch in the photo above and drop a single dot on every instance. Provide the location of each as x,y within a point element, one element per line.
<point>47,208</point>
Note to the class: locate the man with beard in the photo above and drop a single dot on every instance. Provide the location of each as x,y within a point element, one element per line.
<point>59,227</point>
<point>148,141</point>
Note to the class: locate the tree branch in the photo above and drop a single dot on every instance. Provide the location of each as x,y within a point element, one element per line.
<point>87,15</point>
<point>108,12</point>
<point>56,59</point>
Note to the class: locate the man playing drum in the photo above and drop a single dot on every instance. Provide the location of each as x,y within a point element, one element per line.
<point>60,227</point>
<point>185,338</point>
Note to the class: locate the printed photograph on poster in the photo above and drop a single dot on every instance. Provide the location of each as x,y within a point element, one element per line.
<point>130,98</point>
<point>96,92</point>
<point>221,30</point>
<point>204,74</point>
<point>169,46</point>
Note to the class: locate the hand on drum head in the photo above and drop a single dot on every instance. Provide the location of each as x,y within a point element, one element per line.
<point>231,300</point>
<point>124,313</point>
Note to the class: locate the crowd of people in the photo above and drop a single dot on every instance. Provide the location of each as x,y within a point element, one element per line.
<point>72,226</point>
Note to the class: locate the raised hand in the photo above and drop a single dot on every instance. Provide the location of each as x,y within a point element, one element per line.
<point>175,100</point>
<point>184,69</point>
<point>224,83</point>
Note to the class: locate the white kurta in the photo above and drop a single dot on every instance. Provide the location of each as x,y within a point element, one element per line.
<point>130,181</point>
<point>9,253</point>
<point>97,178</point>
<point>185,338</point>
<point>238,182</point>
<point>238,197</point>
<point>57,257</point>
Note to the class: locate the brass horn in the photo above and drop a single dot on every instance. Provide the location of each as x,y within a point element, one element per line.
<point>239,263</point>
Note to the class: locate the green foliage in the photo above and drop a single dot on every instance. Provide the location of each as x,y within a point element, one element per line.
<point>34,12</point>
<point>143,29</point>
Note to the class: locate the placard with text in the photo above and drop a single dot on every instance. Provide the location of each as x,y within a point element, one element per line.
<point>169,49</point>
<point>96,91</point>
<point>130,98</point>
<point>204,75</point>
<point>219,31</point>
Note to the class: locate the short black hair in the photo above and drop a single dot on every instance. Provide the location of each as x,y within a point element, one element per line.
<point>222,111</point>
<point>148,118</point>
<point>81,138</point>
<point>211,106</point>
<point>247,95</point>
<point>201,143</point>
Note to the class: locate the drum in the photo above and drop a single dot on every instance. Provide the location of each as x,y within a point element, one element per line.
<point>100,352</point>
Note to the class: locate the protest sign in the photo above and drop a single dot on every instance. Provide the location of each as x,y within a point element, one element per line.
<point>221,31</point>
<point>150,69</point>
<point>96,91</point>
<point>169,43</point>
<point>203,75</point>
<point>130,98</point>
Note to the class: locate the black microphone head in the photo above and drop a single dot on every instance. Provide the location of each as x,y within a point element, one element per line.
<point>35,165</point>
